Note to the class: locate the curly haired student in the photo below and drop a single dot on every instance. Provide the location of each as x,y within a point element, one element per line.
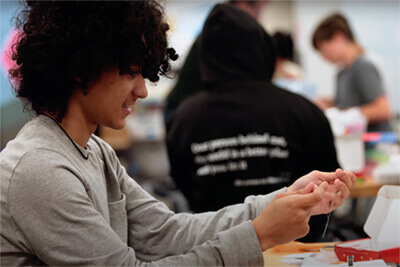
<point>66,199</point>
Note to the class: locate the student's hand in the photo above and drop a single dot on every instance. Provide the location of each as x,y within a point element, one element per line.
<point>340,182</point>
<point>286,217</point>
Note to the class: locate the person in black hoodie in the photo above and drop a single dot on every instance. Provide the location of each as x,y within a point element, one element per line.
<point>189,78</point>
<point>241,135</point>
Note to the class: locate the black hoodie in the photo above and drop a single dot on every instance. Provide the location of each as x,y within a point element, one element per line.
<point>242,135</point>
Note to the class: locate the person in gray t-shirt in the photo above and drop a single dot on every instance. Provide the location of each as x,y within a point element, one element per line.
<point>359,83</point>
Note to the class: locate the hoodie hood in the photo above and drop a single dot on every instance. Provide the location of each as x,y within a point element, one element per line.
<point>234,47</point>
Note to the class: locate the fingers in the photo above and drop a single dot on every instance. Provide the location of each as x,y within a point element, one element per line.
<point>336,198</point>
<point>347,177</point>
<point>337,202</point>
<point>330,196</point>
<point>343,189</point>
<point>324,186</point>
<point>335,187</point>
<point>323,176</point>
<point>308,189</point>
<point>311,199</point>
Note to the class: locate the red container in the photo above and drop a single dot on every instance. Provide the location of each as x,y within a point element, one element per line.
<point>383,228</point>
<point>352,248</point>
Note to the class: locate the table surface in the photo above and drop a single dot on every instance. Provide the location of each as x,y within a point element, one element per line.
<point>367,188</point>
<point>273,256</point>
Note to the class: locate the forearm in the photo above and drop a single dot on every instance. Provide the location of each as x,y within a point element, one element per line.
<point>237,246</point>
<point>167,233</point>
<point>378,110</point>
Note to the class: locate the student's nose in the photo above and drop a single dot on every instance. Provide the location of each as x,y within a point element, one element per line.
<point>140,89</point>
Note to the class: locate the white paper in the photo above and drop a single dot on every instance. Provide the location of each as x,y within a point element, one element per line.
<point>312,261</point>
<point>298,256</point>
<point>292,261</point>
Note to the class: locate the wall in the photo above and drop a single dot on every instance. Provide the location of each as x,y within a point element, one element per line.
<point>277,16</point>
<point>12,116</point>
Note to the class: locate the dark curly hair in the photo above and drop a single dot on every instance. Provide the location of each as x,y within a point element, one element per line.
<point>65,45</point>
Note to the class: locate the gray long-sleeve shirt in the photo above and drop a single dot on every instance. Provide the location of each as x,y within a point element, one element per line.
<point>65,205</point>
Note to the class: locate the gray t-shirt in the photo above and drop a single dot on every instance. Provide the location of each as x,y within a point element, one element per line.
<point>358,85</point>
<point>61,205</point>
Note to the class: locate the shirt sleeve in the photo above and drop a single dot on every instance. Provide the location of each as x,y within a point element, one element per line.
<point>226,236</point>
<point>368,82</point>
<point>56,220</point>
<point>212,235</point>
